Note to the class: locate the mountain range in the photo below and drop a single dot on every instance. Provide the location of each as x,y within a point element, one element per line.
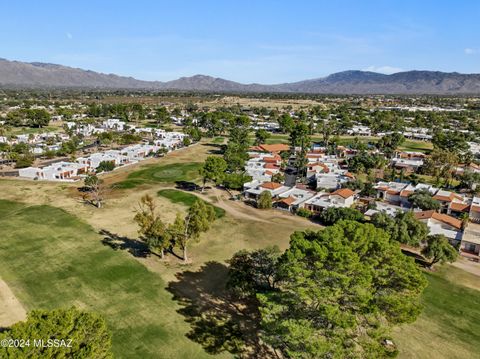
<point>18,74</point>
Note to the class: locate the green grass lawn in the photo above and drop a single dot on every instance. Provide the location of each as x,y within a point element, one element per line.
<point>408,145</point>
<point>186,199</point>
<point>28,130</point>
<point>416,146</point>
<point>449,326</point>
<point>218,140</point>
<point>161,174</point>
<point>51,259</point>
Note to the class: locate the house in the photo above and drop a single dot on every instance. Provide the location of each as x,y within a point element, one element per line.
<point>171,140</point>
<point>262,166</point>
<point>439,223</point>
<point>410,189</point>
<point>274,188</point>
<point>316,167</point>
<point>474,213</point>
<point>474,147</point>
<point>457,209</point>
<point>470,244</point>
<point>417,133</point>
<point>94,160</point>
<point>386,208</point>
<point>331,181</point>
<point>391,191</point>
<point>446,198</point>
<point>60,171</point>
<point>137,152</point>
<point>358,130</point>
<point>114,124</point>
<point>340,198</point>
<point>24,139</point>
<point>410,165</point>
<point>291,200</point>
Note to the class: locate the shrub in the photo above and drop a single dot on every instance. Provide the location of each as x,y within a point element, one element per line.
<point>302,212</point>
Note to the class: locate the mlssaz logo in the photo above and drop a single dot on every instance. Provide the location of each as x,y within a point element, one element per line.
<point>53,343</point>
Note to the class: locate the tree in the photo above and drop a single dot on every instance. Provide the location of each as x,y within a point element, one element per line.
<point>129,138</point>
<point>253,272</point>
<point>88,332</point>
<point>333,214</point>
<point>261,136</point>
<point>423,199</point>
<point>341,290</point>
<point>285,122</point>
<point>278,177</point>
<point>265,200</point>
<point>105,166</point>
<point>213,169</point>
<point>300,137</point>
<point>151,227</point>
<point>186,141</point>
<point>438,249</point>
<point>327,129</point>
<point>389,143</point>
<point>198,219</point>
<point>69,147</point>
<point>404,228</point>
<point>162,115</point>
<point>302,212</point>
<point>194,133</point>
<point>162,151</point>
<point>365,161</point>
<point>38,118</point>
<point>235,180</point>
<point>469,180</point>
<point>24,160</point>
<point>97,189</point>
<point>441,164</point>
<point>236,151</point>
<point>235,156</point>
<point>453,141</point>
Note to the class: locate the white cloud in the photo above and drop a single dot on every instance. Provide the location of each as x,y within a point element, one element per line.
<point>470,51</point>
<point>384,69</point>
<point>69,36</point>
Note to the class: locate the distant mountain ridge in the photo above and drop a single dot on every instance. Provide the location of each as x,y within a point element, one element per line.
<point>45,75</point>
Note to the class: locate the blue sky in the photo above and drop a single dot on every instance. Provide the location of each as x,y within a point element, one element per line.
<point>247,41</point>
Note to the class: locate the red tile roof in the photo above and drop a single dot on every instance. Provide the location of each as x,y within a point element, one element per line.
<point>270,160</point>
<point>459,207</point>
<point>343,192</point>
<point>445,218</point>
<point>271,166</point>
<point>406,193</point>
<point>278,147</point>
<point>448,198</point>
<point>288,201</point>
<point>319,164</point>
<point>271,185</point>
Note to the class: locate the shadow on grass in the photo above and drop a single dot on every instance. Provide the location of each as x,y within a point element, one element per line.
<point>219,321</point>
<point>133,246</point>
<point>187,186</point>
<point>216,149</point>
<point>419,259</point>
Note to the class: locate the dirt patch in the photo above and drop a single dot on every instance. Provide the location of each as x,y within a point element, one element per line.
<point>11,310</point>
